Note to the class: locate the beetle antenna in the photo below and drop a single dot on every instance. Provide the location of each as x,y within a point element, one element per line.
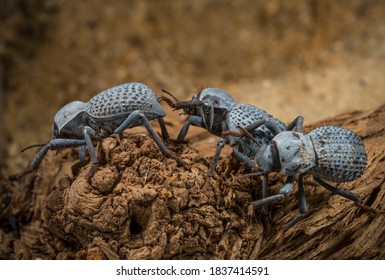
<point>33,146</point>
<point>168,101</point>
<point>170,94</point>
<point>181,104</point>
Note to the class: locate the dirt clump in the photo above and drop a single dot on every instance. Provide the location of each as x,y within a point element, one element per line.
<point>141,205</point>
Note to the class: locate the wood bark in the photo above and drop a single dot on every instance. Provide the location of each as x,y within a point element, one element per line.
<point>140,205</point>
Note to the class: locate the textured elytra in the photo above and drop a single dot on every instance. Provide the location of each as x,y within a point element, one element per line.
<point>124,99</point>
<point>341,155</point>
<point>245,114</point>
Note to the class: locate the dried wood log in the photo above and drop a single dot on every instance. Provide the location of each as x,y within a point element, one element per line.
<point>140,205</point>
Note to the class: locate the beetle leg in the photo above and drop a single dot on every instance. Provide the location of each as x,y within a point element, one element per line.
<point>193,120</point>
<point>54,144</point>
<point>82,153</point>
<point>246,130</point>
<point>303,208</point>
<point>267,200</point>
<point>218,150</point>
<point>349,195</point>
<point>248,161</point>
<point>87,133</point>
<point>163,128</point>
<point>265,192</point>
<point>135,116</point>
<point>38,158</point>
<point>273,126</point>
<point>344,193</point>
<point>253,126</point>
<point>297,123</point>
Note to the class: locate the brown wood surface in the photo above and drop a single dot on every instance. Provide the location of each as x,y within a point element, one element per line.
<point>140,205</point>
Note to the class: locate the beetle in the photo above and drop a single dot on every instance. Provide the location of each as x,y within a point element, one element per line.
<point>111,111</point>
<point>215,110</point>
<point>330,153</point>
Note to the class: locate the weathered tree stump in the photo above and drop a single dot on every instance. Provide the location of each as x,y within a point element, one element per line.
<point>140,205</point>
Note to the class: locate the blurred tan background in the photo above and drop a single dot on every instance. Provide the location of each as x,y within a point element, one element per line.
<point>316,58</point>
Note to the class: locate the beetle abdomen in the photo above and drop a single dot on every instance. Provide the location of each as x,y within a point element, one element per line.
<point>340,154</point>
<point>124,99</point>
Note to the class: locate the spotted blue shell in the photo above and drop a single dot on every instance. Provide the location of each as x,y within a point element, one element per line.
<point>123,100</point>
<point>340,154</point>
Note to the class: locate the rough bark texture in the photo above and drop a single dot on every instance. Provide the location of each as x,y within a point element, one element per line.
<point>140,205</point>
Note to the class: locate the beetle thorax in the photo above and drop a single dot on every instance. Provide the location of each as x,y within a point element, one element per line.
<point>290,153</point>
<point>69,119</point>
<point>216,98</point>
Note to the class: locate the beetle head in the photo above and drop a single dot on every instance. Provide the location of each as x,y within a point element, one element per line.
<point>268,158</point>
<point>212,105</point>
<point>69,120</point>
<point>216,98</point>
